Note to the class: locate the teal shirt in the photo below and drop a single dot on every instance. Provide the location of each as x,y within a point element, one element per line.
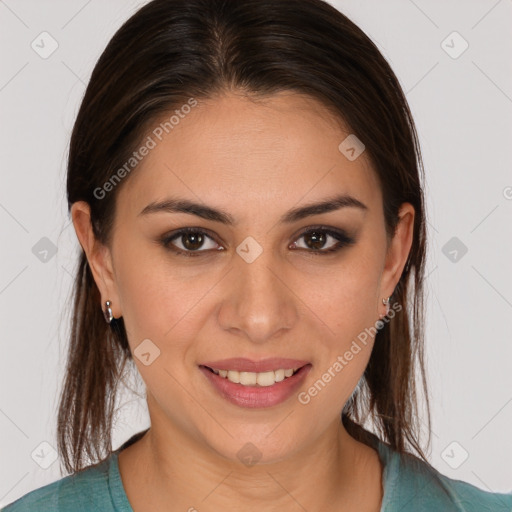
<point>409,485</point>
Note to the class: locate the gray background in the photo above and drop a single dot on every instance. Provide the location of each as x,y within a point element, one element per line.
<point>463,110</point>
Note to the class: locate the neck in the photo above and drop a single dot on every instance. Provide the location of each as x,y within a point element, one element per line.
<point>173,471</point>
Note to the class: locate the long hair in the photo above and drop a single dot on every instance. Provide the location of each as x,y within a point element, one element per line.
<point>172,50</point>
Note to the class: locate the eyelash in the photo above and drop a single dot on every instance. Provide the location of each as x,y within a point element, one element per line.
<point>343,240</point>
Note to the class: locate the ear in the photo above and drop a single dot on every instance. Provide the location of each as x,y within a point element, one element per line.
<point>98,255</point>
<point>398,250</point>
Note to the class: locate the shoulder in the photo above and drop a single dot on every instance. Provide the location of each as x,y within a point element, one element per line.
<point>413,485</point>
<point>85,491</point>
<point>43,499</point>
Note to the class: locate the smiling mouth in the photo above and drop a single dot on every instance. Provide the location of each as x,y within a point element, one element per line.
<point>259,379</point>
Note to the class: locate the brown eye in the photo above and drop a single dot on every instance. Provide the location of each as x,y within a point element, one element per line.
<point>323,240</point>
<point>315,239</point>
<point>196,242</point>
<point>190,240</point>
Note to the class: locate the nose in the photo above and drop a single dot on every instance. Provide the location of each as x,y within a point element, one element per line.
<point>258,302</point>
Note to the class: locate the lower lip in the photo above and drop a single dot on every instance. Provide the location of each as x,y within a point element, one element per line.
<point>257,396</point>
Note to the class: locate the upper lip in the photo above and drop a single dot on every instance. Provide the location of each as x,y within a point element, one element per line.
<point>243,364</point>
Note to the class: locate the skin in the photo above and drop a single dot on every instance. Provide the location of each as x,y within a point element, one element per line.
<point>255,160</point>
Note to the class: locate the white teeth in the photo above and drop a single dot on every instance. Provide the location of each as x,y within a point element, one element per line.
<point>279,375</point>
<point>234,376</point>
<point>247,378</point>
<point>266,378</point>
<point>251,378</point>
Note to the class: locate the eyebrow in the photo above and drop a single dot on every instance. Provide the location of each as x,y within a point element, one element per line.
<point>175,205</point>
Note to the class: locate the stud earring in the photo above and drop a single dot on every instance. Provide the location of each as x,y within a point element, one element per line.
<point>386,303</point>
<point>108,312</point>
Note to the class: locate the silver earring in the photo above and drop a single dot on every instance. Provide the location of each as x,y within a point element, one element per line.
<point>108,312</point>
<point>386,303</point>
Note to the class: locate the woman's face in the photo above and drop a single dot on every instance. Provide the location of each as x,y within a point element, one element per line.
<point>257,281</point>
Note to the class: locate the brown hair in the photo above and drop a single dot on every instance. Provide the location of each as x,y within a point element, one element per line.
<point>173,50</point>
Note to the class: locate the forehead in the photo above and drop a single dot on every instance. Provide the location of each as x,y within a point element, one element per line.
<point>263,153</point>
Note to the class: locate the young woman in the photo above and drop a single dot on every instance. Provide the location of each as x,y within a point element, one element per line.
<point>244,179</point>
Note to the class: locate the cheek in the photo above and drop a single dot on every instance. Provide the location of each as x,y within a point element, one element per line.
<point>348,304</point>
<point>344,354</point>
<point>160,306</point>
<point>346,300</point>
<point>159,300</point>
